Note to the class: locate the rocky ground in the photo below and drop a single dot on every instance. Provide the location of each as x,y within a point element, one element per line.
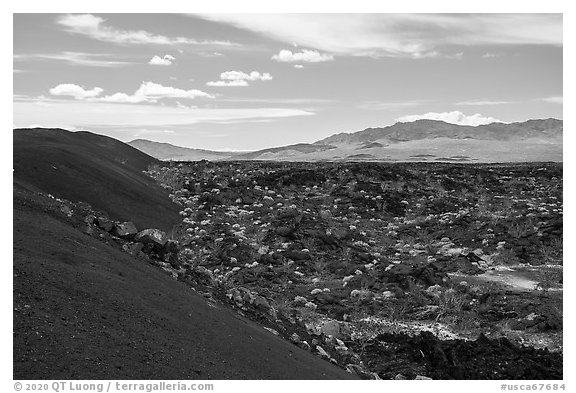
<point>389,271</point>
<point>84,308</point>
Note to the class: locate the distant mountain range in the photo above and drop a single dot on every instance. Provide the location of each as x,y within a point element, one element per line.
<point>421,140</point>
<point>432,129</point>
<point>166,151</point>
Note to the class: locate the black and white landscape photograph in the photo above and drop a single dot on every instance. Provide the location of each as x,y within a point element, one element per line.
<point>288,196</point>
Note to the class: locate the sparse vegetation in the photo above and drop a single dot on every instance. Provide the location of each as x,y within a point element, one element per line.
<point>380,248</point>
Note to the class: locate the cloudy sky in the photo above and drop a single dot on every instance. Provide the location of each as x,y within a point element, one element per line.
<point>245,81</point>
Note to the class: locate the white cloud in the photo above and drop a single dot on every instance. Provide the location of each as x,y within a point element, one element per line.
<point>239,75</point>
<point>455,117</point>
<point>147,92</point>
<point>76,59</point>
<point>88,114</point>
<point>401,35</point>
<point>305,56</point>
<point>72,90</point>
<point>233,83</point>
<point>162,61</point>
<point>239,78</point>
<point>125,98</point>
<point>554,99</point>
<point>152,92</point>
<point>94,27</point>
<point>210,54</point>
<point>299,66</point>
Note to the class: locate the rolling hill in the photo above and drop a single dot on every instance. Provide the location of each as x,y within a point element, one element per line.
<point>102,171</point>
<point>284,151</point>
<point>166,151</point>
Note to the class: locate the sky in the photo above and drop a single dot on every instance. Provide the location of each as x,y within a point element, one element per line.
<point>251,81</point>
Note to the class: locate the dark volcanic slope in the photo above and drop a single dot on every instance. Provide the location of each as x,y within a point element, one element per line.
<point>81,166</point>
<point>86,310</point>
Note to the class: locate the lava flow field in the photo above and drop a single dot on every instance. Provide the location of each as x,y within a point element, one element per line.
<point>388,270</point>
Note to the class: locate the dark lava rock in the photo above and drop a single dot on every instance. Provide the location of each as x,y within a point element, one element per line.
<point>390,354</point>
<point>90,219</point>
<point>361,372</point>
<point>169,253</point>
<point>105,223</point>
<point>268,259</point>
<point>284,231</point>
<point>148,248</point>
<point>200,275</point>
<point>246,277</point>
<point>403,274</point>
<point>539,323</point>
<point>171,246</point>
<point>341,234</point>
<point>360,281</point>
<point>133,248</point>
<point>297,255</point>
<point>335,329</point>
<point>288,214</point>
<point>429,275</point>
<point>125,229</point>
<point>152,236</point>
<point>261,303</point>
<point>325,298</point>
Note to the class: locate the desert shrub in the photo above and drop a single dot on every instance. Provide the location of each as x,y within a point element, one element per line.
<point>321,266</point>
<point>552,252</point>
<point>167,177</point>
<point>506,256</point>
<point>521,228</point>
<point>397,309</point>
<point>404,307</point>
<point>450,302</point>
<point>210,200</point>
